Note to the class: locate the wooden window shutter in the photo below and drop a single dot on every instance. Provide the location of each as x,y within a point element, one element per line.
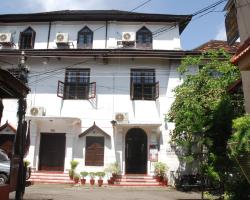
<point>94,154</point>
<point>32,40</point>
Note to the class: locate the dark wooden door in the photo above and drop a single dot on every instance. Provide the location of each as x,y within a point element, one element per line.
<point>52,151</point>
<point>136,151</point>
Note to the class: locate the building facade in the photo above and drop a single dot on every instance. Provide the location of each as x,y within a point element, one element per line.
<point>239,23</point>
<point>101,84</point>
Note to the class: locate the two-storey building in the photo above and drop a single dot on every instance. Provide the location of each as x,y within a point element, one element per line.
<point>101,83</point>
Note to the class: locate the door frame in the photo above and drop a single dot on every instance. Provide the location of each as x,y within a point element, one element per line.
<point>125,149</point>
<point>39,153</point>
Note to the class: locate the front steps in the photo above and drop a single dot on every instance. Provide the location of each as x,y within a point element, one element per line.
<point>48,177</point>
<point>136,180</point>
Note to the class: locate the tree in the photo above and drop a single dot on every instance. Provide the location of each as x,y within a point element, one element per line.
<point>203,111</point>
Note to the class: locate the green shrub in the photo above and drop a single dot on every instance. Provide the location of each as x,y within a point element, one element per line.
<point>113,168</point>
<point>100,174</point>
<point>92,175</point>
<point>84,174</point>
<point>73,164</point>
<point>160,169</point>
<point>77,176</point>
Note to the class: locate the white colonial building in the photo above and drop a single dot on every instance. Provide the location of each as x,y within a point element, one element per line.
<point>101,83</point>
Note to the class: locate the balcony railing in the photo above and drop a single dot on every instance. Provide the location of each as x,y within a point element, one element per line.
<point>76,91</point>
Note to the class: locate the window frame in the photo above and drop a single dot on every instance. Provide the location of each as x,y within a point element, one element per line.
<point>77,84</point>
<point>85,32</point>
<point>142,35</point>
<point>143,84</point>
<point>94,159</point>
<point>27,38</point>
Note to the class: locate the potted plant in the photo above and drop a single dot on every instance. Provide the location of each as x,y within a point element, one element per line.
<point>76,178</point>
<point>83,175</point>
<point>92,177</point>
<point>160,171</point>
<point>100,180</point>
<point>73,165</point>
<point>115,169</point>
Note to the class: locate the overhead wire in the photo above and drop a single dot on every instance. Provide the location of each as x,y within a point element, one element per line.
<point>161,30</point>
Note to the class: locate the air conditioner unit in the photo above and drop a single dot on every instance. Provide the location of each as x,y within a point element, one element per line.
<point>62,38</point>
<point>128,36</point>
<point>5,37</point>
<point>121,118</point>
<point>37,111</point>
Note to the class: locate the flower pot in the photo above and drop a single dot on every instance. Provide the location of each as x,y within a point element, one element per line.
<point>76,180</point>
<point>164,182</point>
<point>110,181</point>
<point>92,181</point>
<point>159,179</point>
<point>83,181</point>
<point>71,177</point>
<point>100,182</point>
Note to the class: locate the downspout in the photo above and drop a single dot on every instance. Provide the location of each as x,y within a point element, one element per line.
<point>106,34</point>
<point>48,34</point>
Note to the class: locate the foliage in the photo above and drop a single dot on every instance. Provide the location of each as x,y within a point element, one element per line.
<point>160,169</point>
<point>77,176</point>
<point>84,174</point>
<point>73,164</point>
<point>113,168</point>
<point>240,140</point>
<point>92,175</point>
<point>203,111</point>
<point>71,173</point>
<point>100,174</point>
<point>26,163</point>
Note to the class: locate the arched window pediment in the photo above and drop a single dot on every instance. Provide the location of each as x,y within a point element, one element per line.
<point>27,38</point>
<point>85,38</point>
<point>144,38</point>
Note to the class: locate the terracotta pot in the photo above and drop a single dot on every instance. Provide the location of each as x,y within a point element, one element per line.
<point>112,179</point>
<point>83,181</point>
<point>159,178</point>
<point>100,182</point>
<point>71,177</point>
<point>92,181</point>
<point>76,180</point>
<point>110,182</point>
<point>164,182</point>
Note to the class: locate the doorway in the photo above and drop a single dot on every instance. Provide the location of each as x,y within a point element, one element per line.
<point>52,151</point>
<point>136,151</point>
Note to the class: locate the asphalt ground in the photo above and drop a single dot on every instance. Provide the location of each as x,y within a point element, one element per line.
<point>69,192</point>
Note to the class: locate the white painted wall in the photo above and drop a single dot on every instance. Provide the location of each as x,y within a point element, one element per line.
<point>113,95</point>
<point>167,40</point>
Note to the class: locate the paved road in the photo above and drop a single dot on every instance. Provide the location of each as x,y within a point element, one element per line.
<point>66,192</point>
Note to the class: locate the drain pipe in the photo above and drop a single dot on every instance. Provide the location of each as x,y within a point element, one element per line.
<point>49,34</point>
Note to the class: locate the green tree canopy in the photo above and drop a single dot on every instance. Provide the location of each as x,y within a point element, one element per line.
<point>203,111</point>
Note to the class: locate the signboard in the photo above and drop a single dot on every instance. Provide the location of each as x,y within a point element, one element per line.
<point>153,153</point>
<point>231,25</point>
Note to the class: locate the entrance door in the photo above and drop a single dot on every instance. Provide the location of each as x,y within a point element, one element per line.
<point>136,151</point>
<point>52,151</point>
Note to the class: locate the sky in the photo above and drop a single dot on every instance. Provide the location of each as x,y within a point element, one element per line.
<point>199,31</point>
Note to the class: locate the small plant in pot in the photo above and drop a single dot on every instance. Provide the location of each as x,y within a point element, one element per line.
<point>73,165</point>
<point>160,170</point>
<point>92,177</point>
<point>83,176</point>
<point>115,169</point>
<point>100,180</point>
<point>76,178</point>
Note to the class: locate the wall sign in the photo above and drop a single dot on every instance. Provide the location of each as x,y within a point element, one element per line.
<point>153,153</point>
